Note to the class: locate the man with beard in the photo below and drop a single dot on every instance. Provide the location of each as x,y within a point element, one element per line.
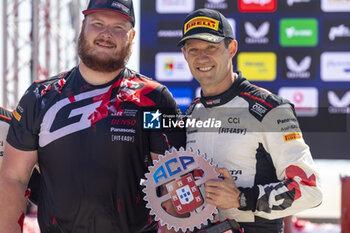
<point>85,129</point>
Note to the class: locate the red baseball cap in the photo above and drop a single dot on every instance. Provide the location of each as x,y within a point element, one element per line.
<point>124,8</point>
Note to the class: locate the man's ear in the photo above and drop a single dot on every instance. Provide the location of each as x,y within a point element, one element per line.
<point>184,52</point>
<point>83,24</point>
<point>133,34</point>
<point>233,47</point>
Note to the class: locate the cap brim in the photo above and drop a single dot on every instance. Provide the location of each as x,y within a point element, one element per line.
<point>202,36</point>
<point>86,12</point>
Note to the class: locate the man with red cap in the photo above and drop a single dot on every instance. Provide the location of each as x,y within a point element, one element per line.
<point>85,129</point>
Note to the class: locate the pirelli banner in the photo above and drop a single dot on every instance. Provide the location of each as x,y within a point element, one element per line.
<point>299,49</point>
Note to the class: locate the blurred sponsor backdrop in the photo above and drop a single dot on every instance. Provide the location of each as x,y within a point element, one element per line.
<point>299,49</point>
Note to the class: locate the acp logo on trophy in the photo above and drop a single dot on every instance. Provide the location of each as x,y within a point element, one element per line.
<point>180,174</point>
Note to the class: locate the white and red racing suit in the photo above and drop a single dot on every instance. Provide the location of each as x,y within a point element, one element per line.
<point>259,141</point>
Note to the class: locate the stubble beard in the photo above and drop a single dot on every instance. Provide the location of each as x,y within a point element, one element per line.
<point>102,64</point>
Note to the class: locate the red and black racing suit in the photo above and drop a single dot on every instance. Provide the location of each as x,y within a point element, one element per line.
<point>92,149</point>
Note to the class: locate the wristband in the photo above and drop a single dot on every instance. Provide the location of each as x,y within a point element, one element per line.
<point>242,201</point>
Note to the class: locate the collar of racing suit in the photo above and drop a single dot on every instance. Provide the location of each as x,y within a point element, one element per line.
<point>123,73</point>
<point>226,96</point>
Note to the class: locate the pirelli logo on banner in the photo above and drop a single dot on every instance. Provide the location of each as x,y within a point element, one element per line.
<point>200,22</point>
<point>291,136</point>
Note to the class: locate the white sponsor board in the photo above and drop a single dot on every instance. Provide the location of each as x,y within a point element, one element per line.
<point>172,67</point>
<point>174,6</point>
<point>335,5</point>
<point>335,66</point>
<point>305,99</point>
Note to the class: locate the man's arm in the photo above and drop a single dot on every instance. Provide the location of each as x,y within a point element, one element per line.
<point>222,193</point>
<point>299,186</point>
<point>298,183</point>
<point>14,176</point>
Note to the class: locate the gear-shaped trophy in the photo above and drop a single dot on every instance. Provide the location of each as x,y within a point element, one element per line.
<point>175,171</point>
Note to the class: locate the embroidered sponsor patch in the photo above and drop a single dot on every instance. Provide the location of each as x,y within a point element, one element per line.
<point>17,115</point>
<point>259,109</point>
<point>291,136</point>
<point>120,7</point>
<point>201,22</point>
